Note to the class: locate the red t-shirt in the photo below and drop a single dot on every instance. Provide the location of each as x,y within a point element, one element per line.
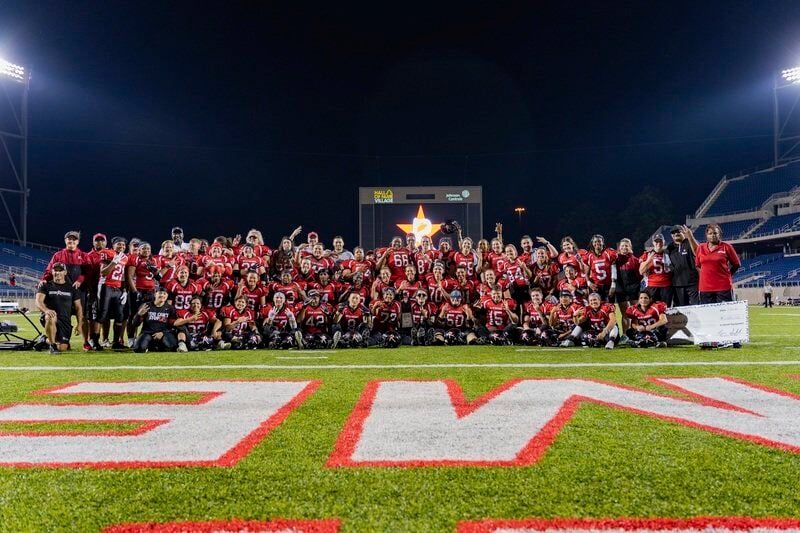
<point>715,267</point>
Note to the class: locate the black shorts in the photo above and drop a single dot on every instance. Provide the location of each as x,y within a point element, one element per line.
<point>626,294</point>
<point>110,304</point>
<point>660,294</point>
<point>63,328</point>
<point>136,299</point>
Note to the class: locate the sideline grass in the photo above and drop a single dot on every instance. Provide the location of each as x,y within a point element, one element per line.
<point>605,463</point>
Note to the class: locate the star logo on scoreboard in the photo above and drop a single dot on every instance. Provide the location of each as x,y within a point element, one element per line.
<point>420,226</point>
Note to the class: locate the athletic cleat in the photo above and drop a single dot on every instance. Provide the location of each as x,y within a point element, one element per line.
<point>106,344</point>
<point>182,347</point>
<point>337,336</point>
<point>298,336</point>
<point>222,345</point>
<point>97,347</point>
<point>661,344</point>
<point>86,347</point>
<point>54,350</point>
<point>567,344</point>
<point>130,343</point>
<point>117,346</point>
<point>610,345</point>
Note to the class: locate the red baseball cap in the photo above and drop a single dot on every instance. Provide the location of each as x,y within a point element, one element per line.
<point>99,236</point>
<point>313,234</point>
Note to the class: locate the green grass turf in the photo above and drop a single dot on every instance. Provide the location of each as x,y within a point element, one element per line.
<point>604,463</point>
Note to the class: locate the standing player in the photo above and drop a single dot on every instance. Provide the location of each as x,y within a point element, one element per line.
<point>216,292</point>
<point>358,264</point>
<point>425,257</point>
<point>514,275</point>
<point>56,299</point>
<point>97,256</point>
<point>251,288</point>
<point>292,290</point>
<point>629,280</point>
<point>544,272</point>
<point>396,259</point>
<point>469,259</point>
<point>600,268</point>
<point>656,268</point>
<point>247,262</point>
<point>111,299</point>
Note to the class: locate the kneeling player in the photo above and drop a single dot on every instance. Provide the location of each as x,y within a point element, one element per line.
<point>199,328</point>
<point>564,319</point>
<point>386,321</point>
<point>423,315</point>
<point>157,319</point>
<point>239,325</point>
<point>500,319</point>
<point>536,330</point>
<point>279,326</point>
<point>315,318</point>
<point>351,323</point>
<point>457,319</point>
<point>55,300</point>
<point>597,326</point>
<point>648,323</point>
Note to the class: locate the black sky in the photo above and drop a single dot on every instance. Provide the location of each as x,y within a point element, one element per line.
<point>223,116</point>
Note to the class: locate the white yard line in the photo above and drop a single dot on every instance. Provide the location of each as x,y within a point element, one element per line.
<point>632,364</point>
<point>304,357</point>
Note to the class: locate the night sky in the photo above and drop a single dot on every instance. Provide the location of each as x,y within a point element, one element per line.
<point>225,116</point>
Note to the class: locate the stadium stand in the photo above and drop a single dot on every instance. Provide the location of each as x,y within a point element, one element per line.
<point>730,230</point>
<point>780,270</point>
<point>778,224</point>
<point>751,191</point>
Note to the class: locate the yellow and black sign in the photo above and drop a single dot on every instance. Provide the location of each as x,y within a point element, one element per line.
<point>383,196</point>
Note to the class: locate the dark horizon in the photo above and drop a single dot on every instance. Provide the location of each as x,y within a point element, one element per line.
<point>222,119</point>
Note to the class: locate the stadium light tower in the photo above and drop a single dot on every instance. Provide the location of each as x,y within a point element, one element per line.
<point>15,79</point>
<point>786,118</point>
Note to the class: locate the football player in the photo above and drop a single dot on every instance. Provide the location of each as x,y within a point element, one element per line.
<point>628,279</point>
<point>536,330</point>
<point>386,320</point>
<point>500,319</point>
<point>457,322</point>
<point>215,291</point>
<point>199,328</point>
<point>601,268</point>
<point>111,300</point>
<point>657,270</point>
<point>564,318</point>
<point>597,326</point>
<point>252,289</point>
<point>279,324</point>
<point>358,264</point>
<point>181,290</point>
<point>352,323</point>
<point>544,272</point>
<point>423,316</point>
<point>469,259</point>
<point>239,325</point>
<point>648,323</point>
<point>314,319</point>
<point>396,259</point>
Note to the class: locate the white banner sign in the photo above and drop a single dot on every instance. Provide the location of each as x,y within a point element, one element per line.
<point>698,324</point>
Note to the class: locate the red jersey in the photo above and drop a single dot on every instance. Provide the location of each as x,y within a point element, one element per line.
<point>247,264</point>
<point>422,314</point>
<point>640,317</point>
<point>564,316</point>
<point>454,316</point>
<point>215,296</point>
<point>304,280</point>
<point>181,295</point>
<point>544,276</point>
<point>469,262</point>
<point>143,272</point>
<point>598,318</point>
<point>497,261</point>
<point>424,266</point>
<point>199,326</point>
<point>316,319</point>
<point>351,318</point>
<point>362,291</point>
<point>116,277</point>
<point>469,290</point>
<point>565,259</point>
<point>329,293</point>
<point>408,289</point>
<point>171,264</point>
<point>254,296</point>
<point>283,318</point>
<point>397,261</point>
<point>577,287</point>
<point>222,263</point>
<point>233,314</point>
<point>496,315</point>
<point>715,267</point>
<point>96,260</point>
<point>365,267</point>
<point>323,263</point>
<point>386,316</point>
<point>436,294</point>
<point>657,274</point>
<point>513,273</point>
<point>291,291</point>
<point>600,266</point>
<point>537,317</point>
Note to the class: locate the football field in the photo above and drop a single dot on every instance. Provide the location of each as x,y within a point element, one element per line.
<point>411,439</point>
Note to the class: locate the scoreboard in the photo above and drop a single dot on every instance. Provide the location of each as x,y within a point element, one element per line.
<point>386,212</point>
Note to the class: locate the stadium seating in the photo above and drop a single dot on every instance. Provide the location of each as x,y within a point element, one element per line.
<point>773,267</point>
<point>730,230</point>
<point>751,191</point>
<point>24,256</point>
<point>779,223</point>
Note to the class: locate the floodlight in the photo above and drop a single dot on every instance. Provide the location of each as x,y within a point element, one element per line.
<point>10,70</point>
<point>792,75</point>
